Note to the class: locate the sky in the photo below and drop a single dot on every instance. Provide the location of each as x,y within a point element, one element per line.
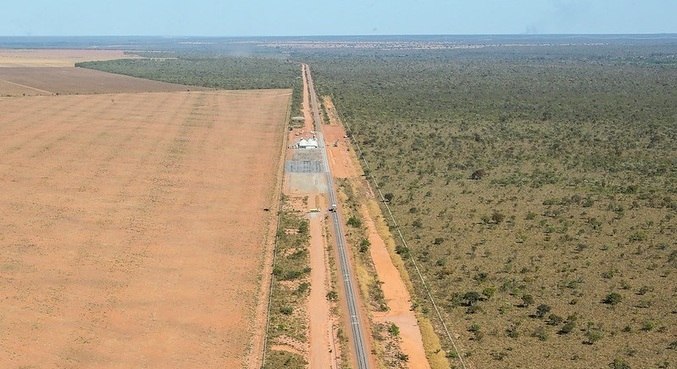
<point>337,17</point>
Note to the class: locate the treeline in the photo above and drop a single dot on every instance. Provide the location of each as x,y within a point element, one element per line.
<point>232,73</point>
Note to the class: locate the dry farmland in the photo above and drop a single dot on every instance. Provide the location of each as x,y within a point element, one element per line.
<point>55,57</point>
<point>132,233</point>
<point>52,72</point>
<point>68,80</point>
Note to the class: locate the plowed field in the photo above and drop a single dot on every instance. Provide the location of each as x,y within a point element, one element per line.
<point>68,80</point>
<point>132,229</point>
<point>55,57</point>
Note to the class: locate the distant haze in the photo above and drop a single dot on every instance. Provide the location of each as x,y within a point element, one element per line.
<point>340,17</point>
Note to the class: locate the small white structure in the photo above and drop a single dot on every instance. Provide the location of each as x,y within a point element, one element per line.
<point>308,143</point>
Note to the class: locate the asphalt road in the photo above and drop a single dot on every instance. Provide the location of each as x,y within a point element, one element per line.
<point>344,262</point>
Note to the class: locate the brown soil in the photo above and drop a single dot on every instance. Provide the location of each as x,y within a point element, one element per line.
<point>55,57</point>
<point>397,297</point>
<point>345,165</point>
<point>132,227</point>
<point>318,306</point>
<point>337,144</point>
<point>8,89</point>
<point>68,80</point>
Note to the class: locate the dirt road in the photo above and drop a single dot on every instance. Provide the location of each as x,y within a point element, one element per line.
<point>320,320</point>
<point>397,297</point>
<point>321,333</point>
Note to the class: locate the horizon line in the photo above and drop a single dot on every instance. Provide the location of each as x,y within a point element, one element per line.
<point>349,35</point>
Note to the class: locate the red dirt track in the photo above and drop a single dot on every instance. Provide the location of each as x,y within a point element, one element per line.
<point>132,233</point>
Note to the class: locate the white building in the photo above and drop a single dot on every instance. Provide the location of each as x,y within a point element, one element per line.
<point>308,143</point>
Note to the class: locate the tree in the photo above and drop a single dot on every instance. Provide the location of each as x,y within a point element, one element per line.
<point>303,227</point>
<point>497,217</point>
<point>569,324</point>
<point>619,364</point>
<point>471,298</point>
<point>541,310</point>
<point>554,319</point>
<point>478,174</point>
<point>489,292</point>
<point>402,251</point>
<point>364,245</point>
<point>476,330</point>
<point>527,300</point>
<point>394,330</point>
<point>613,298</point>
<point>593,334</point>
<point>513,330</point>
<point>541,333</point>
<point>286,310</point>
<point>354,222</point>
<point>568,327</point>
